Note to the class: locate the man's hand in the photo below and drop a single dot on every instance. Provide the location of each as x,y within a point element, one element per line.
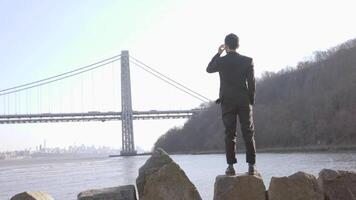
<point>221,48</point>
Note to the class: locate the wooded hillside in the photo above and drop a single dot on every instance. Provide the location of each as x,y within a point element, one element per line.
<point>313,104</point>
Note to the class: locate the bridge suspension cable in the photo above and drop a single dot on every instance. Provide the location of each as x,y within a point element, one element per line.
<point>169,80</point>
<point>170,83</point>
<point>60,76</point>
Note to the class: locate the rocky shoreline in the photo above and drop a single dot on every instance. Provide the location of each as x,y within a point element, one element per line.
<point>160,178</point>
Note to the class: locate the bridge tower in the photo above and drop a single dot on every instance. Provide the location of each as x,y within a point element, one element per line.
<point>128,146</point>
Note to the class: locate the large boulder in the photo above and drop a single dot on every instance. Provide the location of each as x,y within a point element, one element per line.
<point>126,192</point>
<point>338,185</point>
<point>239,187</point>
<point>32,196</point>
<point>299,186</point>
<point>160,178</point>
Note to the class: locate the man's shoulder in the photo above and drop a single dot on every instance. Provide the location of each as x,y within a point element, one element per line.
<point>238,57</point>
<point>245,58</point>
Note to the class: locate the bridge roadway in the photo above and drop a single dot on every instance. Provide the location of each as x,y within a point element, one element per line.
<point>94,116</point>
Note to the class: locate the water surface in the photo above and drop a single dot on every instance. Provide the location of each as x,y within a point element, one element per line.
<point>65,178</point>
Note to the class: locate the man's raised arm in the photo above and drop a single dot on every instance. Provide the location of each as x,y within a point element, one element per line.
<point>251,83</point>
<point>214,63</point>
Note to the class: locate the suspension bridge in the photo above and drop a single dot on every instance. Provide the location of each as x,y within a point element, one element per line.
<point>24,103</point>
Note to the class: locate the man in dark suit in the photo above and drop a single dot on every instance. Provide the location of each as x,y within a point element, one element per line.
<point>237,95</point>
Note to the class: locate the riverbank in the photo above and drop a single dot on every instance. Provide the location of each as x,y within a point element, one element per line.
<point>305,149</point>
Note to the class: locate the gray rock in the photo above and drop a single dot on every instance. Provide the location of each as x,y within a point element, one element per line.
<point>338,185</point>
<point>239,187</point>
<point>126,192</point>
<point>299,186</point>
<point>160,178</point>
<point>32,196</point>
<point>158,159</point>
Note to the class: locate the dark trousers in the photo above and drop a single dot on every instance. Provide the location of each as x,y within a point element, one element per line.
<point>229,117</point>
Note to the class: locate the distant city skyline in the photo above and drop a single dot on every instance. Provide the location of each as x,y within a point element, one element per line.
<point>43,151</point>
<point>39,39</point>
<point>69,148</point>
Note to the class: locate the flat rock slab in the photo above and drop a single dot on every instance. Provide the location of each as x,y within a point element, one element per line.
<point>239,187</point>
<point>338,185</point>
<point>127,192</point>
<point>160,178</point>
<point>32,196</point>
<point>299,186</point>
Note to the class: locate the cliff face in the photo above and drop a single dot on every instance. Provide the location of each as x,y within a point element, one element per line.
<point>313,104</point>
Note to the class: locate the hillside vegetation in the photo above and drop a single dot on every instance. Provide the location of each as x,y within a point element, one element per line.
<point>313,104</point>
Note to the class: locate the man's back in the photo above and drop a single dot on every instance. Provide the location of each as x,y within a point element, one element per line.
<point>237,83</point>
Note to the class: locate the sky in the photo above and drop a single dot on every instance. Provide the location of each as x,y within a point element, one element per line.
<point>39,39</point>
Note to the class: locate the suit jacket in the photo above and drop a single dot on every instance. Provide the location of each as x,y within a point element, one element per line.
<point>237,80</point>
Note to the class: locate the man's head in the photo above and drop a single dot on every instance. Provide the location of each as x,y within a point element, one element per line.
<point>231,42</point>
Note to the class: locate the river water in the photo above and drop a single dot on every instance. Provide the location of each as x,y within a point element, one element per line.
<point>65,178</point>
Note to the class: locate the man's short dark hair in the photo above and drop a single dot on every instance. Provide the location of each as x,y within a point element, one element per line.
<point>232,41</point>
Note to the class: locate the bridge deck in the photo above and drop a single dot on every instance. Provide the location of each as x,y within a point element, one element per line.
<point>94,116</point>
